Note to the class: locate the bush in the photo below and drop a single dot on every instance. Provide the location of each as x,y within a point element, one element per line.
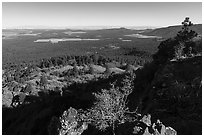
<point>109,108</point>
<point>166,51</point>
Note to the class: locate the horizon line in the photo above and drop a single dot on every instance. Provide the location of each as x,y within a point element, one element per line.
<point>89,27</point>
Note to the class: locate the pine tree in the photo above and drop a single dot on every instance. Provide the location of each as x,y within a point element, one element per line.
<point>186,34</point>
<point>75,70</point>
<point>107,71</point>
<point>43,81</point>
<point>91,69</point>
<point>28,89</point>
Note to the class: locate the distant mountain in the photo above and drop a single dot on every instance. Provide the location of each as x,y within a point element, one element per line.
<point>108,32</point>
<point>81,27</point>
<point>171,31</point>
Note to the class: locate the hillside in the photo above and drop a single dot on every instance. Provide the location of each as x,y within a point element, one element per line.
<point>40,95</point>
<point>171,31</point>
<point>173,94</point>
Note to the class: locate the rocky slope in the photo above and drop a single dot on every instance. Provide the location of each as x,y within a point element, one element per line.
<point>173,94</point>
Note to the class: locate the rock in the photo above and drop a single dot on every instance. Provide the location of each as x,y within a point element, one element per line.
<point>7,98</point>
<point>170,131</point>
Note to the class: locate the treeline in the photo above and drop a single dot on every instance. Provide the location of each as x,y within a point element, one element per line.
<point>95,59</point>
<point>20,73</point>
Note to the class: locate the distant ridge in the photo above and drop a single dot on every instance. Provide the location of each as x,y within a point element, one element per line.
<point>171,31</point>
<point>82,27</point>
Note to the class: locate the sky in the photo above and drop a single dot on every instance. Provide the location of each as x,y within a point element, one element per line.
<point>65,14</point>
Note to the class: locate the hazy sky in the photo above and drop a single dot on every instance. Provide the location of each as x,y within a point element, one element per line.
<point>99,14</point>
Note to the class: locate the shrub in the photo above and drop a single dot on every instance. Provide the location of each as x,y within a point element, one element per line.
<point>109,109</point>
<point>107,113</point>
<point>166,51</point>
